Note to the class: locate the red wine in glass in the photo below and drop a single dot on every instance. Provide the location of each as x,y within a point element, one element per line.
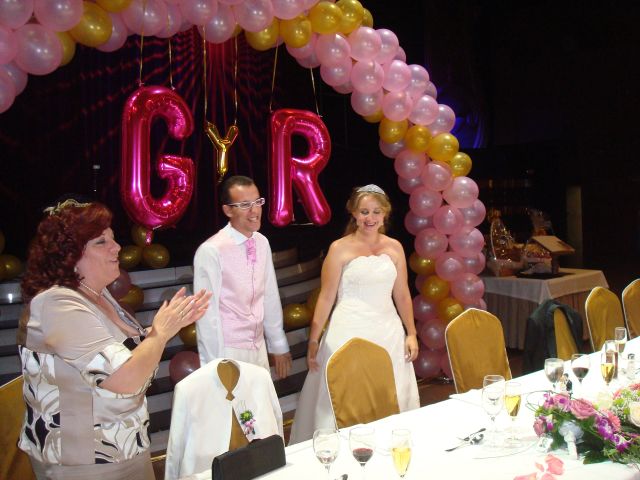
<point>362,455</point>
<point>580,372</point>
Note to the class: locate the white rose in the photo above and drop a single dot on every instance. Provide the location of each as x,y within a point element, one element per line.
<point>604,401</point>
<point>634,413</point>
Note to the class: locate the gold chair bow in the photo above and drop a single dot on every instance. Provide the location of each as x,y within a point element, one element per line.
<point>604,314</point>
<point>631,306</point>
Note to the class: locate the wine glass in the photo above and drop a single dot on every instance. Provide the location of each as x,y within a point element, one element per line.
<point>620,337</point>
<point>512,400</point>
<point>326,445</point>
<point>401,450</point>
<point>580,364</point>
<point>362,442</point>
<point>607,366</point>
<point>492,399</point>
<point>553,369</point>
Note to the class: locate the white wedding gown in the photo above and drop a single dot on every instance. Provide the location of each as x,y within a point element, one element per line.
<point>364,309</point>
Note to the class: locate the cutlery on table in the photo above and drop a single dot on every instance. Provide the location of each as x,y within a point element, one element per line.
<point>473,440</point>
<point>472,434</point>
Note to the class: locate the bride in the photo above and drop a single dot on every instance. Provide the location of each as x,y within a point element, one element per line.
<point>366,270</point>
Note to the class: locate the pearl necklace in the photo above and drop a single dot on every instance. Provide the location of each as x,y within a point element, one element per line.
<point>98,295</point>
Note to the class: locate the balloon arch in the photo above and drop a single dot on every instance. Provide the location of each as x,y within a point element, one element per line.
<point>38,36</point>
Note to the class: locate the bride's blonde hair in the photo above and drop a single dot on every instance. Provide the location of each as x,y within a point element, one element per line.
<point>356,197</point>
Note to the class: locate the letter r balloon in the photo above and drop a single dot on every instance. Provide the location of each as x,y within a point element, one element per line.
<point>141,108</point>
<point>302,173</point>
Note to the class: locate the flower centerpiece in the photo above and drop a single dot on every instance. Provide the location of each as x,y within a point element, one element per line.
<point>608,429</point>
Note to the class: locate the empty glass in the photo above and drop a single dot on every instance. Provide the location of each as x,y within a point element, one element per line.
<point>492,400</point>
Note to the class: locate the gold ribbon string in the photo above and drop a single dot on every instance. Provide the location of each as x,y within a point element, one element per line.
<point>315,96</point>
<point>170,65</point>
<point>273,77</point>
<point>235,81</point>
<point>144,11</point>
<point>204,75</point>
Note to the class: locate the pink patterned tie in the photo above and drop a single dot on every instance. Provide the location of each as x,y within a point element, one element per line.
<point>251,250</point>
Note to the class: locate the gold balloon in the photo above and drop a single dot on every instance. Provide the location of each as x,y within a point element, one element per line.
<point>325,17</point>
<point>12,266</point>
<point>2,241</point>
<point>352,13</point>
<point>94,27</point>
<point>68,47</point>
<point>421,266</point>
<point>448,309</point>
<point>460,164</point>
<point>141,236</point>
<point>296,32</point>
<point>296,315</point>
<point>374,118</point>
<point>155,255</point>
<point>134,297</point>
<point>188,335</point>
<point>3,272</point>
<point>313,299</point>
<point>222,145</point>
<point>367,19</point>
<point>130,256</point>
<point>266,38</point>
<point>114,5</point>
<point>443,147</point>
<point>434,288</point>
<point>392,132</point>
<point>418,138</point>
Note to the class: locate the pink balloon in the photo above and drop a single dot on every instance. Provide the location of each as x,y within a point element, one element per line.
<point>58,15</point>
<point>408,185</point>
<point>418,81</point>
<point>462,193</point>
<point>254,15</point>
<point>17,75</point>
<point>15,13</point>
<point>444,122</point>
<point>39,50</point>
<point>468,288</point>
<point>305,51</point>
<point>365,44</point>
<point>479,304</point>
<point>198,12</point>
<point>474,215</point>
<point>287,171</point>
<point>309,62</point>
<point>409,164</point>
<point>414,223</point>
<point>424,111</point>
<point>221,26</point>
<point>437,176</point>
<point>449,266</point>
<point>287,9</point>
<point>183,364</point>
<point>430,243</point>
<point>367,76</point>
<point>119,33</point>
<point>388,45</point>
<point>427,364</point>
<point>139,111</point>
<point>445,365</point>
<point>424,202</point>
<point>400,55</point>
<point>333,49</point>
<point>474,264</point>
<point>431,90</point>
<point>344,88</point>
<point>448,220</point>
<point>337,74</point>
<point>175,22</point>
<point>467,243</point>
<point>390,150</point>
<point>146,17</point>
<point>7,91</point>
<point>397,105</point>
<point>432,334</point>
<point>423,310</point>
<point>397,76</point>
<point>8,45</point>
<point>228,2</point>
<point>366,103</point>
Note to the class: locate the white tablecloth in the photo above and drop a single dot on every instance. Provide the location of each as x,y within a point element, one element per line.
<point>436,427</point>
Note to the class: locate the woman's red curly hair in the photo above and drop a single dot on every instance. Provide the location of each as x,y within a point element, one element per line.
<point>59,244</point>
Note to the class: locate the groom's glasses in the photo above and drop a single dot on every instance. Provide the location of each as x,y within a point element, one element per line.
<point>247,205</point>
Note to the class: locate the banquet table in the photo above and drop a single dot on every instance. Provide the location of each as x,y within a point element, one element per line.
<point>513,299</point>
<point>436,427</point>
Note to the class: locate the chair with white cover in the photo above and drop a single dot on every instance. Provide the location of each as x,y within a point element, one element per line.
<point>604,314</point>
<point>475,345</point>
<point>206,414</point>
<point>631,307</point>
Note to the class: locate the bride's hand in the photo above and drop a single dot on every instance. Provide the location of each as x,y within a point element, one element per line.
<point>411,348</point>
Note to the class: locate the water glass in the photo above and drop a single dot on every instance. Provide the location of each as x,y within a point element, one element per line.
<point>492,401</point>
<point>326,445</point>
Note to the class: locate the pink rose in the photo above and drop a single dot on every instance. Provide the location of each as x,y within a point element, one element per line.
<point>538,426</point>
<point>613,419</point>
<point>582,409</point>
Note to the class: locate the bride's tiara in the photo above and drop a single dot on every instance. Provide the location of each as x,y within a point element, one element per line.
<point>371,188</point>
<point>66,204</point>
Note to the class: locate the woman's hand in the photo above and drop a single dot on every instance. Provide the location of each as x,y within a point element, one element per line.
<point>179,312</point>
<point>411,348</point>
<point>312,352</point>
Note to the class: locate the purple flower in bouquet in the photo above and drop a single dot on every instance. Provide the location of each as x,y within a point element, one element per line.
<point>539,426</point>
<point>582,409</point>
<point>621,443</point>
<point>604,427</point>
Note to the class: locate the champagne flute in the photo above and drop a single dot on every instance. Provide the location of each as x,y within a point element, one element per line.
<point>612,346</point>
<point>607,366</point>
<point>620,337</point>
<point>401,450</point>
<point>512,400</point>
<point>326,445</point>
<point>553,369</point>
<point>362,442</point>
<point>492,400</point>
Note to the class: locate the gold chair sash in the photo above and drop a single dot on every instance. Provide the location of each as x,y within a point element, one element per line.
<point>229,375</point>
<point>361,383</point>
<point>14,463</point>
<point>604,314</point>
<point>475,342</point>
<point>631,306</point>
<point>565,344</point>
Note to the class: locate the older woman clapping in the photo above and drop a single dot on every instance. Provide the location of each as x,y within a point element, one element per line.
<point>86,363</point>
